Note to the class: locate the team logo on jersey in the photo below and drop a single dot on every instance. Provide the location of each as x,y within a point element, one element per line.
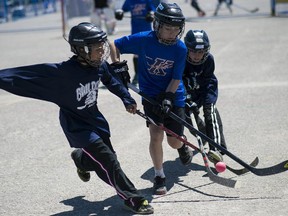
<point>159,66</point>
<point>138,9</point>
<point>195,73</point>
<point>88,90</point>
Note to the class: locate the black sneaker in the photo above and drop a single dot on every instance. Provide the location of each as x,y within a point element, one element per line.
<point>214,156</point>
<point>142,208</point>
<point>83,175</point>
<point>159,187</point>
<point>185,155</point>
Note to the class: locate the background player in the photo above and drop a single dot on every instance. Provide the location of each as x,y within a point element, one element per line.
<point>103,10</point>
<point>195,5</point>
<point>228,5</point>
<point>142,16</point>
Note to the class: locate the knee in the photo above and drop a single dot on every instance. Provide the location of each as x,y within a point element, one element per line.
<point>174,143</point>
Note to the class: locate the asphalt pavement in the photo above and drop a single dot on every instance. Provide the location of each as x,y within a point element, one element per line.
<point>38,177</point>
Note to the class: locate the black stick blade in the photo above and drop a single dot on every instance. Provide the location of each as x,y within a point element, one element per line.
<point>223,181</point>
<point>254,10</point>
<point>279,168</point>
<point>242,171</point>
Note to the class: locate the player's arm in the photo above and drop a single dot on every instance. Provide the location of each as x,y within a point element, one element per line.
<point>173,86</point>
<point>114,53</point>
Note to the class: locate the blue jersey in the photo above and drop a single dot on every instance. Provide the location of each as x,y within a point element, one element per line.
<point>207,92</point>
<point>74,89</point>
<point>139,10</point>
<point>158,63</point>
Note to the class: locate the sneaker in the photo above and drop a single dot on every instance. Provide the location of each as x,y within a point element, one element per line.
<point>159,187</point>
<point>201,13</point>
<point>142,208</point>
<point>214,156</point>
<point>83,175</point>
<point>185,155</point>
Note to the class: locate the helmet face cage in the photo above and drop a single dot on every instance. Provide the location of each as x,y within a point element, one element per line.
<point>197,40</point>
<point>86,38</point>
<point>102,49</point>
<point>170,15</point>
<point>157,25</point>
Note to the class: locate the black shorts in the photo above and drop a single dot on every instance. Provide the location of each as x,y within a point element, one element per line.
<point>168,122</point>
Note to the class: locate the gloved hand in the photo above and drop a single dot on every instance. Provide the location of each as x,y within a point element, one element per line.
<point>190,84</point>
<point>166,100</point>
<point>149,16</point>
<point>131,108</point>
<point>119,14</point>
<point>121,71</point>
<point>192,106</point>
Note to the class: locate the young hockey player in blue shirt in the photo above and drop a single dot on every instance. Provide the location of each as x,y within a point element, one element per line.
<point>142,15</point>
<point>202,88</point>
<point>73,86</point>
<point>161,63</point>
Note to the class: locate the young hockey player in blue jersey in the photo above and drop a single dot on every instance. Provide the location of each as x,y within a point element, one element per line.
<point>161,64</point>
<point>202,88</point>
<point>142,15</point>
<point>73,86</point>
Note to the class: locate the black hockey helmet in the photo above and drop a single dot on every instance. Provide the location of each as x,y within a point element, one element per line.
<point>171,15</point>
<point>197,40</point>
<point>83,37</point>
<point>86,33</point>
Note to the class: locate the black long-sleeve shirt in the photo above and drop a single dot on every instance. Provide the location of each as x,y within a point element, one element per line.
<point>74,89</point>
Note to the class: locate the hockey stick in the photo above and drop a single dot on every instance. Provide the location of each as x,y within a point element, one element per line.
<point>212,176</point>
<point>281,167</point>
<point>235,171</point>
<point>246,9</point>
<point>139,17</point>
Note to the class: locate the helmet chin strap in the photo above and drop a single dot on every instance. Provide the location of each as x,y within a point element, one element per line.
<point>82,61</point>
<point>86,61</point>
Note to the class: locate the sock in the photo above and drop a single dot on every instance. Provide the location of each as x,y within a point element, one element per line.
<point>159,173</point>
